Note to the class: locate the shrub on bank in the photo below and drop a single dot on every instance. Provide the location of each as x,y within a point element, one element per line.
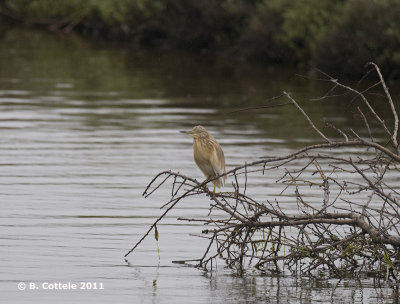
<point>335,35</point>
<point>367,30</point>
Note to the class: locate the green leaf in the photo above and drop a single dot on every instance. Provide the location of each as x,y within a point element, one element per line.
<point>387,260</point>
<point>255,247</point>
<point>156,232</point>
<point>334,238</point>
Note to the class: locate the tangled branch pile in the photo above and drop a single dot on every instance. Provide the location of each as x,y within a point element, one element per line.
<point>352,229</point>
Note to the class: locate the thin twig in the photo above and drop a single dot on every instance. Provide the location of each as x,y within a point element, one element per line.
<point>308,118</point>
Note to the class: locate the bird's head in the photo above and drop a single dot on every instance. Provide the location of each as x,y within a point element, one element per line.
<point>197,132</point>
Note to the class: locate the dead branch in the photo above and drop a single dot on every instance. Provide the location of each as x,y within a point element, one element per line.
<point>306,116</point>
<point>352,229</point>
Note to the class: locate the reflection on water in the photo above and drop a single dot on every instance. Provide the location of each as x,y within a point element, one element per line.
<point>84,129</point>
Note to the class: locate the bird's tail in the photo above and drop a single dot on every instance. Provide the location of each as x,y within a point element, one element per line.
<point>220,182</point>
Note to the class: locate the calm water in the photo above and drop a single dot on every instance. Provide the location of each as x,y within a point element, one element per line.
<point>84,129</point>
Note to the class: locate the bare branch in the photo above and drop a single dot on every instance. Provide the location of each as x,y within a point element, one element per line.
<point>349,222</point>
<point>392,107</point>
<point>306,116</point>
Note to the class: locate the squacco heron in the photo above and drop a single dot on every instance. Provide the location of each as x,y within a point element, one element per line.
<point>208,155</point>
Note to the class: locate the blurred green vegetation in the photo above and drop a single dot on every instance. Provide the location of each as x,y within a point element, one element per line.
<point>336,35</point>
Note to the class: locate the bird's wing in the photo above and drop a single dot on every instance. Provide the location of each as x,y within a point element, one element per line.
<point>218,161</point>
<point>203,161</point>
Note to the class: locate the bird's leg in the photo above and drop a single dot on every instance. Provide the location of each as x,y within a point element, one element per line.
<point>205,188</point>
<point>213,184</point>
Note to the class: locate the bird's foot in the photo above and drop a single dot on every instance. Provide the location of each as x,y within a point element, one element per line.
<point>205,188</point>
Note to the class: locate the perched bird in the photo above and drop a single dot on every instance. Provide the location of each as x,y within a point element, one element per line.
<point>208,155</point>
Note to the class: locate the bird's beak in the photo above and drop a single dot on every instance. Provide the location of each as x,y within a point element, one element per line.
<point>186,132</point>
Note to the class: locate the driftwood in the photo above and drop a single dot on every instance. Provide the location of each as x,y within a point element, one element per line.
<point>352,231</point>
